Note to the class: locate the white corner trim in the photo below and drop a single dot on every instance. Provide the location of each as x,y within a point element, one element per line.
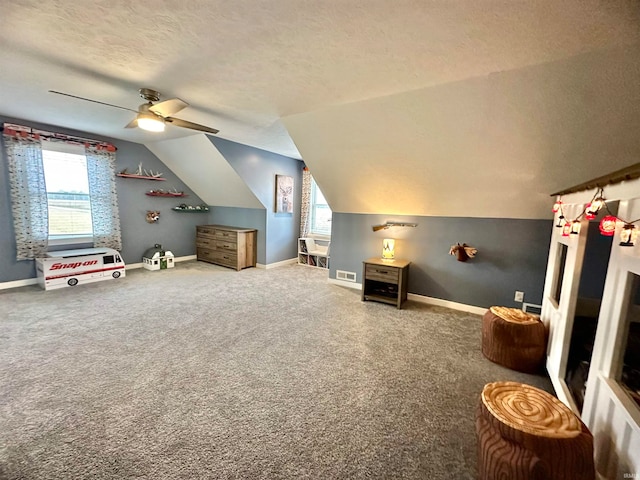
<point>344,283</point>
<point>282,263</point>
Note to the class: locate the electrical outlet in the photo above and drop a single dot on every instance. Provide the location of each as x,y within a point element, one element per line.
<point>519,297</point>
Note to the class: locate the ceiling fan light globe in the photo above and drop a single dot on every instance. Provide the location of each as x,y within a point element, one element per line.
<point>151,123</point>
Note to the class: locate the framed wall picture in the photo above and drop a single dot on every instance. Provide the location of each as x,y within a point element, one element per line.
<point>284,194</point>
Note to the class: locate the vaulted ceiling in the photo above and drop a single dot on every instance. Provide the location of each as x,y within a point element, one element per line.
<point>472,108</point>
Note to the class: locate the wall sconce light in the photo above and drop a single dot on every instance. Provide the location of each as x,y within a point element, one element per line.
<point>388,248</point>
<point>628,235</point>
<point>608,226</point>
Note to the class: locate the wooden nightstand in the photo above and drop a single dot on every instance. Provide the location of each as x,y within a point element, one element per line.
<point>385,280</point>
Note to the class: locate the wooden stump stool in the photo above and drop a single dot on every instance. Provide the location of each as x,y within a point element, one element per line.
<point>514,339</point>
<point>525,433</point>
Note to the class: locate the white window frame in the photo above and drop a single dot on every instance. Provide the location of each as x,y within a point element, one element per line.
<point>314,232</point>
<point>73,239</point>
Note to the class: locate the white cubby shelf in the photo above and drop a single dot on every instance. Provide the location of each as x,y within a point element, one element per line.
<point>313,252</point>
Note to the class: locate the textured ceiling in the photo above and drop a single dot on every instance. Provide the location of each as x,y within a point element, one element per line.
<point>246,64</point>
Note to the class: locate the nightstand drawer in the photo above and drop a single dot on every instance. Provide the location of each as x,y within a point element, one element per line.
<point>385,281</point>
<point>382,273</point>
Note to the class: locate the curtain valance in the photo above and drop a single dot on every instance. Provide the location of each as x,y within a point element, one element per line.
<point>14,130</point>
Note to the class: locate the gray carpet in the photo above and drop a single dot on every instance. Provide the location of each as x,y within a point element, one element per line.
<point>202,372</point>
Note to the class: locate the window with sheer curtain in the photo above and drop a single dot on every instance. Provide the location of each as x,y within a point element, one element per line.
<point>320,212</point>
<point>63,191</point>
<point>315,213</point>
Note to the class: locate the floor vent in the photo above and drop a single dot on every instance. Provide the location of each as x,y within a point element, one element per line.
<point>346,276</point>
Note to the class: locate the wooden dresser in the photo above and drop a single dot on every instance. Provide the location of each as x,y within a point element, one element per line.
<point>231,247</point>
<point>385,280</point>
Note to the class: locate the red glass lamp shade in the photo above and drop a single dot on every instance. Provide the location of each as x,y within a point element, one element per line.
<point>566,229</point>
<point>608,226</point>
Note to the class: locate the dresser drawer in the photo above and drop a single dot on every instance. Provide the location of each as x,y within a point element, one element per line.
<point>205,230</point>
<point>226,235</point>
<point>381,274</point>
<point>205,242</point>
<point>226,245</point>
<point>216,256</point>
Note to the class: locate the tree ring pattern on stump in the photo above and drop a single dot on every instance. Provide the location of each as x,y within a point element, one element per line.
<point>531,410</point>
<point>514,315</point>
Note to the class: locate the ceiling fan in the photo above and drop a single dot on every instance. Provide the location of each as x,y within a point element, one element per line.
<point>153,116</point>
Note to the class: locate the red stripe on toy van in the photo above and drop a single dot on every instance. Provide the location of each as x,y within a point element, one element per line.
<point>84,272</point>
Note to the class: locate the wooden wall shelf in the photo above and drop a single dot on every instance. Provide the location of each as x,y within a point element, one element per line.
<point>139,177</point>
<point>191,210</point>
<point>165,194</point>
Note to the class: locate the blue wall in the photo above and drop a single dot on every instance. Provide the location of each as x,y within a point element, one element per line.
<point>175,231</point>
<point>512,255</point>
<point>247,218</point>
<point>258,168</point>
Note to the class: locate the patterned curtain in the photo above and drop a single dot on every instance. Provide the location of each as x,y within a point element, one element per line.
<point>28,195</point>
<point>104,199</point>
<point>305,203</point>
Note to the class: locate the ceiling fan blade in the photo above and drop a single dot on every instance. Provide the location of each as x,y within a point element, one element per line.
<point>168,107</point>
<point>193,126</point>
<point>89,100</point>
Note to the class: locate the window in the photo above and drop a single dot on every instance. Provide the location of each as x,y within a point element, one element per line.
<point>320,212</point>
<point>67,184</point>
<point>629,357</point>
<point>78,189</point>
<point>560,267</point>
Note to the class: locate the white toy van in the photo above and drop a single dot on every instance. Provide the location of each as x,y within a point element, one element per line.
<point>68,268</point>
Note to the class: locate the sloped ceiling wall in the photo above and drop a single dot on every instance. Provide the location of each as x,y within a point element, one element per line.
<point>199,164</point>
<point>493,146</point>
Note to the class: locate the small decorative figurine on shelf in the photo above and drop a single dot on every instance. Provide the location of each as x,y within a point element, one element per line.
<point>183,207</point>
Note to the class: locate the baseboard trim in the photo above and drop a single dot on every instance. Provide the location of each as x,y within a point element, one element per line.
<point>34,281</point>
<point>421,299</point>
<point>18,283</point>
<point>344,283</point>
<point>447,303</point>
<point>277,264</point>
